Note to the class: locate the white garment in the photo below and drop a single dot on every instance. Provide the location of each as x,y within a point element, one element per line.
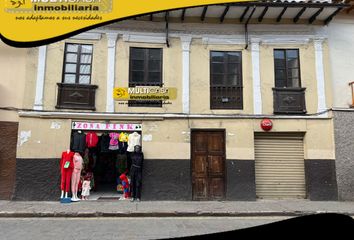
<point>86,188</point>
<point>133,140</point>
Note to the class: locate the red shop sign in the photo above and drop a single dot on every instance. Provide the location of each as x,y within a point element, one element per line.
<point>266,124</point>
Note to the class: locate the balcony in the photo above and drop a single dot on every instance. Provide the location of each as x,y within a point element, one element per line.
<point>289,100</point>
<point>76,96</point>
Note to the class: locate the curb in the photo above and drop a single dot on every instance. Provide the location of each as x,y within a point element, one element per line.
<point>158,214</point>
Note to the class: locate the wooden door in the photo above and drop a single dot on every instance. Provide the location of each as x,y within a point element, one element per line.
<point>208,165</point>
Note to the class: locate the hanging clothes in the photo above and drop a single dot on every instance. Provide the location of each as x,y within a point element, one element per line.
<point>113,144</point>
<point>133,140</point>
<point>78,142</point>
<point>91,139</point>
<point>104,144</point>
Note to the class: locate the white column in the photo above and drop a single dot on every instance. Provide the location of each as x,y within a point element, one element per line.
<point>321,94</point>
<point>111,64</point>
<point>257,96</point>
<point>186,43</point>
<point>38,100</point>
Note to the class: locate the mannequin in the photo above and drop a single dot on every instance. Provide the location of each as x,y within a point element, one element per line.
<point>136,173</point>
<point>133,140</point>
<point>77,159</point>
<point>66,169</point>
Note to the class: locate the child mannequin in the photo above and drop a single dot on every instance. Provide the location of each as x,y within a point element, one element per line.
<point>125,183</point>
<point>86,188</point>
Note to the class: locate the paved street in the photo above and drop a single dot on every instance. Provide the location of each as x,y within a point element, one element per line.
<point>122,228</point>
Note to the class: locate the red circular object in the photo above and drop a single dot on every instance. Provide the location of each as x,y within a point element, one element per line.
<point>266,124</point>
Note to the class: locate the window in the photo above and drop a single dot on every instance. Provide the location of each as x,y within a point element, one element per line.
<point>288,95</point>
<point>287,68</point>
<point>76,91</point>
<point>145,69</point>
<point>77,63</point>
<point>226,80</point>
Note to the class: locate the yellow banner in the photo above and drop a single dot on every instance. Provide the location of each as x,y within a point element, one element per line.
<point>144,93</point>
<point>27,23</point>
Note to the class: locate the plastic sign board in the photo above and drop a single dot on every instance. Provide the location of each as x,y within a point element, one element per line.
<point>106,126</point>
<point>144,93</point>
<point>28,23</point>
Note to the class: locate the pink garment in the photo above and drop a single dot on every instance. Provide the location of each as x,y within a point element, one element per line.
<point>113,143</point>
<point>75,178</point>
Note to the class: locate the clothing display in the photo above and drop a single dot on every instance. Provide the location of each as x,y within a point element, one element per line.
<point>86,187</point>
<point>66,168</point>
<point>133,140</point>
<point>78,142</point>
<point>101,161</point>
<point>75,178</point>
<point>91,139</point>
<point>113,144</point>
<point>104,142</point>
<point>136,172</point>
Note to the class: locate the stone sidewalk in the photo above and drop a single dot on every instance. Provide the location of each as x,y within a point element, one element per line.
<point>126,208</point>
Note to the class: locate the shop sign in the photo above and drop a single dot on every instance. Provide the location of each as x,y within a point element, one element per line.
<point>106,126</point>
<point>266,124</point>
<point>144,93</point>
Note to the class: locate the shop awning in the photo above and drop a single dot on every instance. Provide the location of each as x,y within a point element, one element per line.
<point>259,12</point>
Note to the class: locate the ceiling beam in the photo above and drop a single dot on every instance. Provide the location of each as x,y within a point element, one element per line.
<point>298,15</point>
<point>244,13</point>
<point>222,17</point>
<point>260,18</point>
<point>315,15</point>
<point>204,13</point>
<point>183,14</point>
<point>281,14</point>
<point>327,20</point>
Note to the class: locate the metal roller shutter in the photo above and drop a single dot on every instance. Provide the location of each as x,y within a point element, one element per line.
<point>279,164</point>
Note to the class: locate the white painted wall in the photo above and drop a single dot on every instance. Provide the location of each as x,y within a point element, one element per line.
<point>341,50</point>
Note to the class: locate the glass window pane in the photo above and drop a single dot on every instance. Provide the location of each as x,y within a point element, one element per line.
<point>232,68</point>
<point>234,57</point>
<point>293,63</point>
<point>154,65</point>
<point>154,77</point>
<point>217,79</point>
<point>279,63</point>
<point>231,80</point>
<point>84,79</point>
<point>154,54</point>
<point>70,68</point>
<point>69,78</point>
<point>86,48</point>
<point>72,47</point>
<point>137,65</point>
<point>137,76</point>
<point>279,54</point>
<point>217,56</point>
<point>290,54</point>
<point>293,73</point>
<point>85,58</point>
<point>137,53</point>
<point>86,69</point>
<point>280,74</point>
<point>71,57</point>
<point>217,68</point>
<point>294,82</point>
<point>280,82</point>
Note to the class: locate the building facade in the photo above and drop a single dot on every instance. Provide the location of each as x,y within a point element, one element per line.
<point>341,35</point>
<point>232,67</point>
<point>12,68</point>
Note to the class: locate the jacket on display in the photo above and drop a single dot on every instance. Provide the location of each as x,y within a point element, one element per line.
<point>78,142</point>
<point>133,140</point>
<point>104,144</point>
<point>91,139</point>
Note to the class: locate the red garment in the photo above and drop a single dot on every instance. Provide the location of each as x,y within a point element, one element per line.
<point>91,139</point>
<point>66,172</point>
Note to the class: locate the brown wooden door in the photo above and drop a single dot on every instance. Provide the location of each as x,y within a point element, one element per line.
<point>208,165</point>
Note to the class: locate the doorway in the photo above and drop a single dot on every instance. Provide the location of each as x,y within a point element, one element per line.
<point>208,164</point>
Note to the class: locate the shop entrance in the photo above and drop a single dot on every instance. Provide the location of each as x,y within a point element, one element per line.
<point>208,164</point>
<point>106,151</point>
